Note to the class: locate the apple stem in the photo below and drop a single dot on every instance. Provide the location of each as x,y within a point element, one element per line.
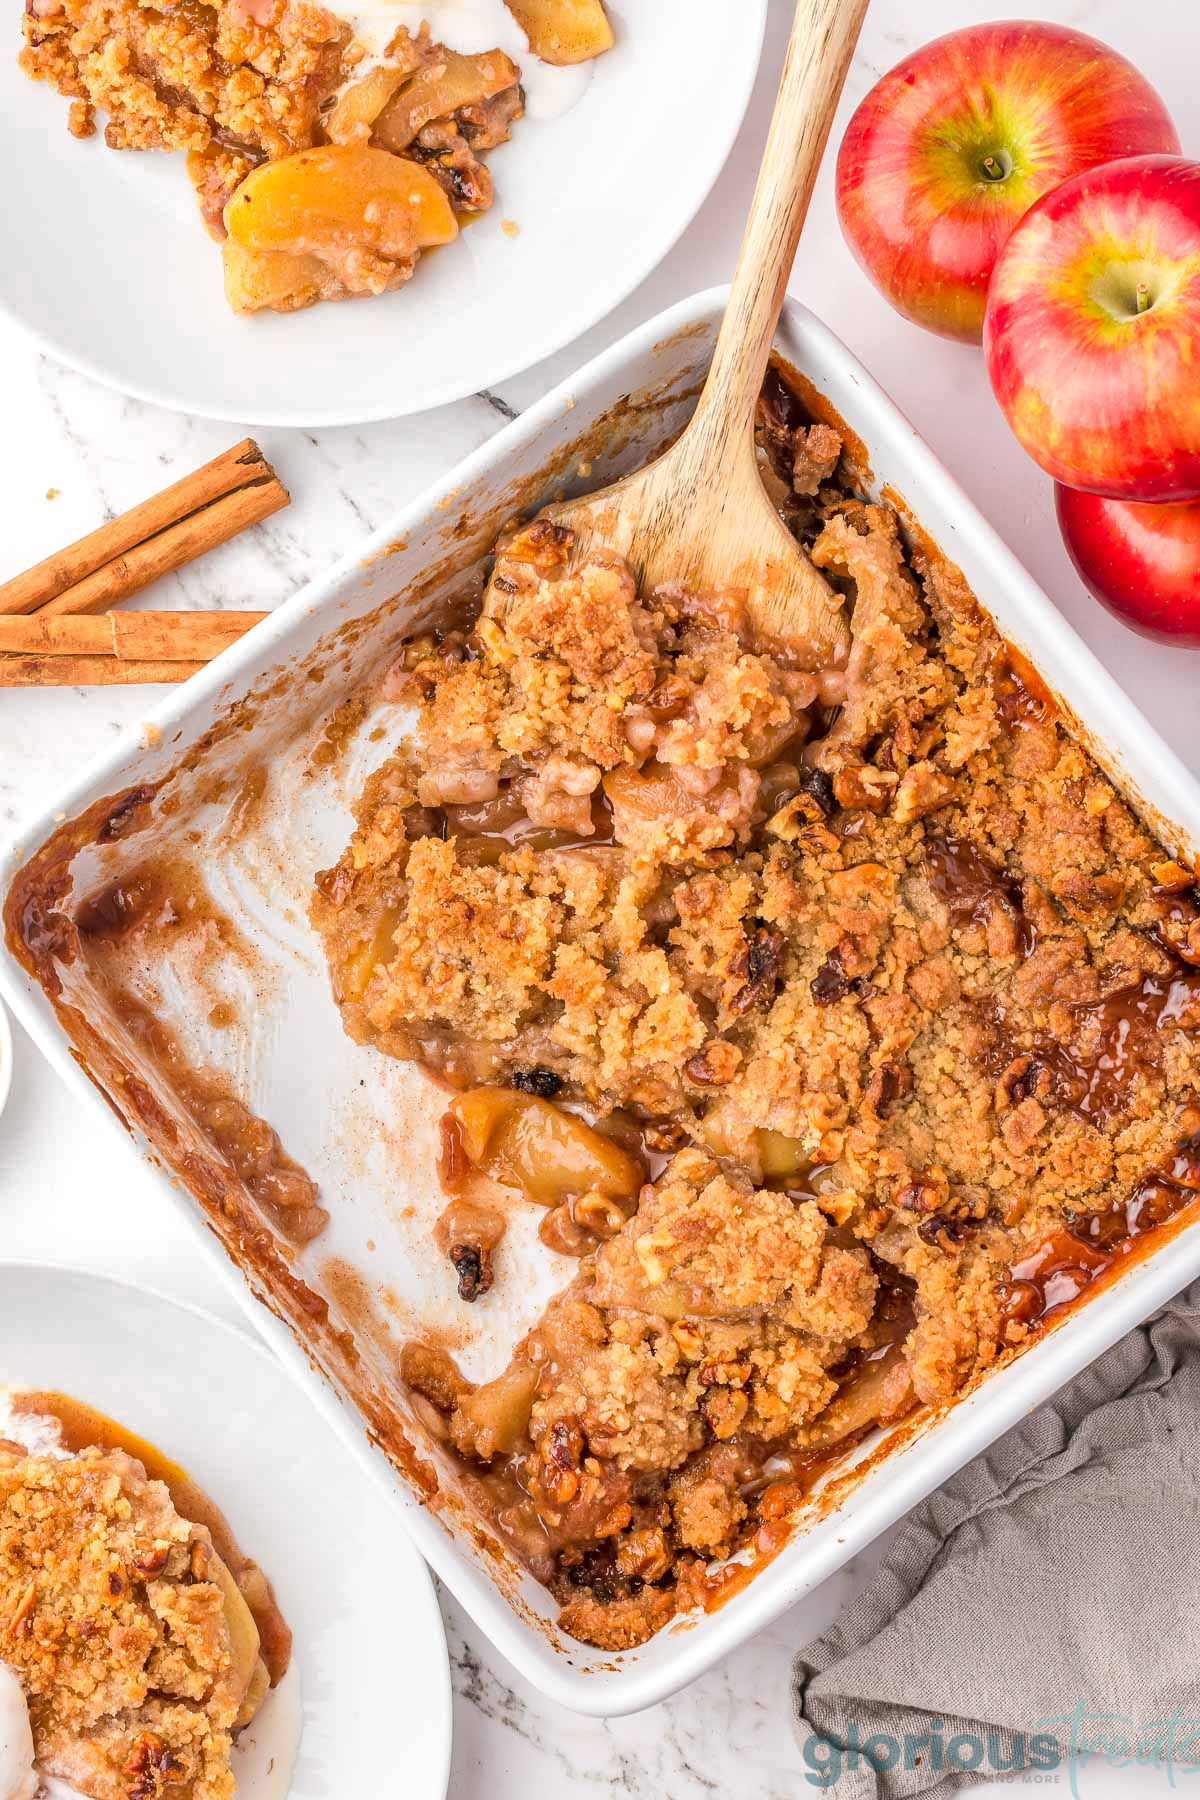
<point>993,168</point>
<point>1142,297</point>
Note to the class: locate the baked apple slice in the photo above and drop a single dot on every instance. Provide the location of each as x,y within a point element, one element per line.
<point>564,31</point>
<point>344,219</point>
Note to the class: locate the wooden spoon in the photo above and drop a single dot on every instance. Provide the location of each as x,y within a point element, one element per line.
<point>699,515</point>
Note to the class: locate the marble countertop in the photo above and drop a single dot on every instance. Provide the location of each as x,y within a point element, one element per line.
<point>73,452</point>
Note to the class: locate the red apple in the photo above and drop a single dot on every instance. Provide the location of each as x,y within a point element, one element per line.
<point>1142,562</point>
<point>1092,331</point>
<point>950,150</point>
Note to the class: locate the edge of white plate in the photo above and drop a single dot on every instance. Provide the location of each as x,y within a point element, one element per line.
<point>261,1348</point>
<point>6,1056</point>
<point>571,326</point>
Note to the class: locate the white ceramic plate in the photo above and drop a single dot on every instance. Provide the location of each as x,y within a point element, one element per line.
<point>110,268</point>
<point>369,1669</point>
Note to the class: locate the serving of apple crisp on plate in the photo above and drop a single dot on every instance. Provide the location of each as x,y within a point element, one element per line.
<point>332,150</point>
<point>143,1639</point>
<point>144,1653</point>
<point>844,1023</point>
<point>327,151</point>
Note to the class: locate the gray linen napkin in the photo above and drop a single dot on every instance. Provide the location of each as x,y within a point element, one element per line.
<point>1047,1596</point>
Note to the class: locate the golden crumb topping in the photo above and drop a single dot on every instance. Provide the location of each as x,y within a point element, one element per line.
<point>879,956</point>
<point>114,1621</point>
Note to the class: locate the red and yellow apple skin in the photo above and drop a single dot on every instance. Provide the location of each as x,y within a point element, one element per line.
<point>1092,332</point>
<point>1141,562</point>
<point>949,151</point>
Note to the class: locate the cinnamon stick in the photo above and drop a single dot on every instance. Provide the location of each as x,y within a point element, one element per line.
<point>191,637</point>
<point>206,508</point>
<point>88,671</point>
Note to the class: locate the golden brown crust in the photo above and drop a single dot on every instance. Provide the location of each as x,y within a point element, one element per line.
<point>884,949</point>
<point>188,78</point>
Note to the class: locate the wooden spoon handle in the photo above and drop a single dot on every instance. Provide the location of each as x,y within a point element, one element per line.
<point>824,33</point>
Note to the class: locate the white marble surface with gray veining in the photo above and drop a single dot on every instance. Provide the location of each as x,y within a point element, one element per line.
<point>72,452</point>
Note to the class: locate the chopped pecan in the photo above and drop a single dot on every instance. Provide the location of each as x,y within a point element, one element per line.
<point>799,811</point>
<point>149,1767</point>
<point>612,1522</point>
<point>151,1562</point>
<point>724,1374</point>
<point>949,1215</point>
<point>763,959</point>
<point>831,982</point>
<point>665,1135</point>
<point>689,1341</point>
<point>473,1266</point>
<point>809,807</point>
<point>923,789</point>
<point>943,1234</point>
<point>643,1555</point>
<point>543,544</point>
<point>862,788</point>
<point>560,1454</point>
<point>887,1084</point>
<point>1024,1079</point>
<point>818,784</point>
<point>199,1560</point>
<point>926,1191</point>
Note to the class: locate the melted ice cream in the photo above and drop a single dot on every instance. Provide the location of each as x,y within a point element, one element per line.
<point>37,1433</point>
<point>472,27</point>
<point>17,1778</point>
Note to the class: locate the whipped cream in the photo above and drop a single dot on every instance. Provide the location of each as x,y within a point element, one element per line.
<point>471,27</point>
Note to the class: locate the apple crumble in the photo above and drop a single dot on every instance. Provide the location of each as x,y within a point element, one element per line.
<point>143,1641</point>
<point>324,162</point>
<point>844,1025</point>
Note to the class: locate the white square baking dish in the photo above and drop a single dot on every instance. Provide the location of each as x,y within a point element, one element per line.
<point>224,773</point>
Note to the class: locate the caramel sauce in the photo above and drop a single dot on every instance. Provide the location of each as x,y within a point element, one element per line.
<point>84,1428</point>
<point>972,886</point>
<point>504,825</point>
<point>1176,926</point>
<point>1125,1034</point>
<point>807,405</point>
<point>1072,1259</point>
<point>1022,697</point>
